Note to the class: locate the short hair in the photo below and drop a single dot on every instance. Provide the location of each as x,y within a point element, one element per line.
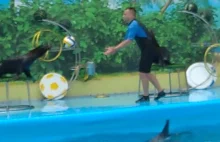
<point>132,9</point>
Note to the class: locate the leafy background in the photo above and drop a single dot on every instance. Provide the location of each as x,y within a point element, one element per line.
<point>96,26</point>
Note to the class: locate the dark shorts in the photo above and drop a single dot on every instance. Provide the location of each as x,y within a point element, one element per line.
<point>148,57</point>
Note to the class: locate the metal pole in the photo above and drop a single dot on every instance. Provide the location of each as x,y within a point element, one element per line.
<point>7,99</point>
<point>7,95</point>
<point>76,59</point>
<point>180,90</point>
<point>170,82</point>
<point>28,93</point>
<point>155,89</point>
<point>187,87</point>
<point>139,86</point>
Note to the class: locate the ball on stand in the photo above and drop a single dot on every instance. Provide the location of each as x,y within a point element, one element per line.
<point>69,42</point>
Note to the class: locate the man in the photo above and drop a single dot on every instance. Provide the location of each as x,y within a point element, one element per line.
<point>148,49</point>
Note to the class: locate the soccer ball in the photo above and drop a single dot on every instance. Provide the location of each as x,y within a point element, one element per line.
<point>53,86</point>
<point>69,42</point>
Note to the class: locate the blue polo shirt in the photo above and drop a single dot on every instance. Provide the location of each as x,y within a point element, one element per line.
<point>134,30</point>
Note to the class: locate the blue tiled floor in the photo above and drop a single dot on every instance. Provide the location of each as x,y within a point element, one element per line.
<point>92,104</point>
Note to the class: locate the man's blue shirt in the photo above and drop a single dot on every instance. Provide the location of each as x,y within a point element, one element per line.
<point>134,30</point>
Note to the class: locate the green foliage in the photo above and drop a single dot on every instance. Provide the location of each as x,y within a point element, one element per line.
<point>95,27</point>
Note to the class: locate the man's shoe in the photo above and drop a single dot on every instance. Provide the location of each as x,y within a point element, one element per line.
<point>143,99</point>
<point>160,95</point>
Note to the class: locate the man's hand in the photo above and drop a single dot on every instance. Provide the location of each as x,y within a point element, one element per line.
<point>110,50</point>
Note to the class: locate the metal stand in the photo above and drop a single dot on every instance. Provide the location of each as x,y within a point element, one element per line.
<point>9,107</point>
<point>180,88</point>
<point>77,66</point>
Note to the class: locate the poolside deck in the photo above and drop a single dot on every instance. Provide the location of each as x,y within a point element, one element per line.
<point>102,85</point>
<point>114,101</point>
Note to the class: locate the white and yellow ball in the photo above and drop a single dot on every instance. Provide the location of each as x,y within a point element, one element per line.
<point>53,86</point>
<point>69,42</point>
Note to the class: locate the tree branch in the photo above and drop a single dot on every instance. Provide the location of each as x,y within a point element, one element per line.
<point>165,6</point>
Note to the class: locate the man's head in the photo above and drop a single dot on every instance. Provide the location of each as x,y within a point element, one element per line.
<point>129,14</point>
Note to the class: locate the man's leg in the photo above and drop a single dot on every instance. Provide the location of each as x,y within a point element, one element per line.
<point>145,78</point>
<point>144,68</point>
<point>152,78</point>
<point>145,83</point>
<point>145,64</point>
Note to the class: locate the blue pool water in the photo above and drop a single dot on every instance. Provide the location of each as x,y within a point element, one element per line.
<point>193,118</point>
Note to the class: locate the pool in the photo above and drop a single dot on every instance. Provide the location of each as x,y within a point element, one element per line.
<point>117,118</point>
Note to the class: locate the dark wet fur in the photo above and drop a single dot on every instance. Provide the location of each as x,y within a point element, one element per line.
<point>22,64</point>
<point>163,53</point>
